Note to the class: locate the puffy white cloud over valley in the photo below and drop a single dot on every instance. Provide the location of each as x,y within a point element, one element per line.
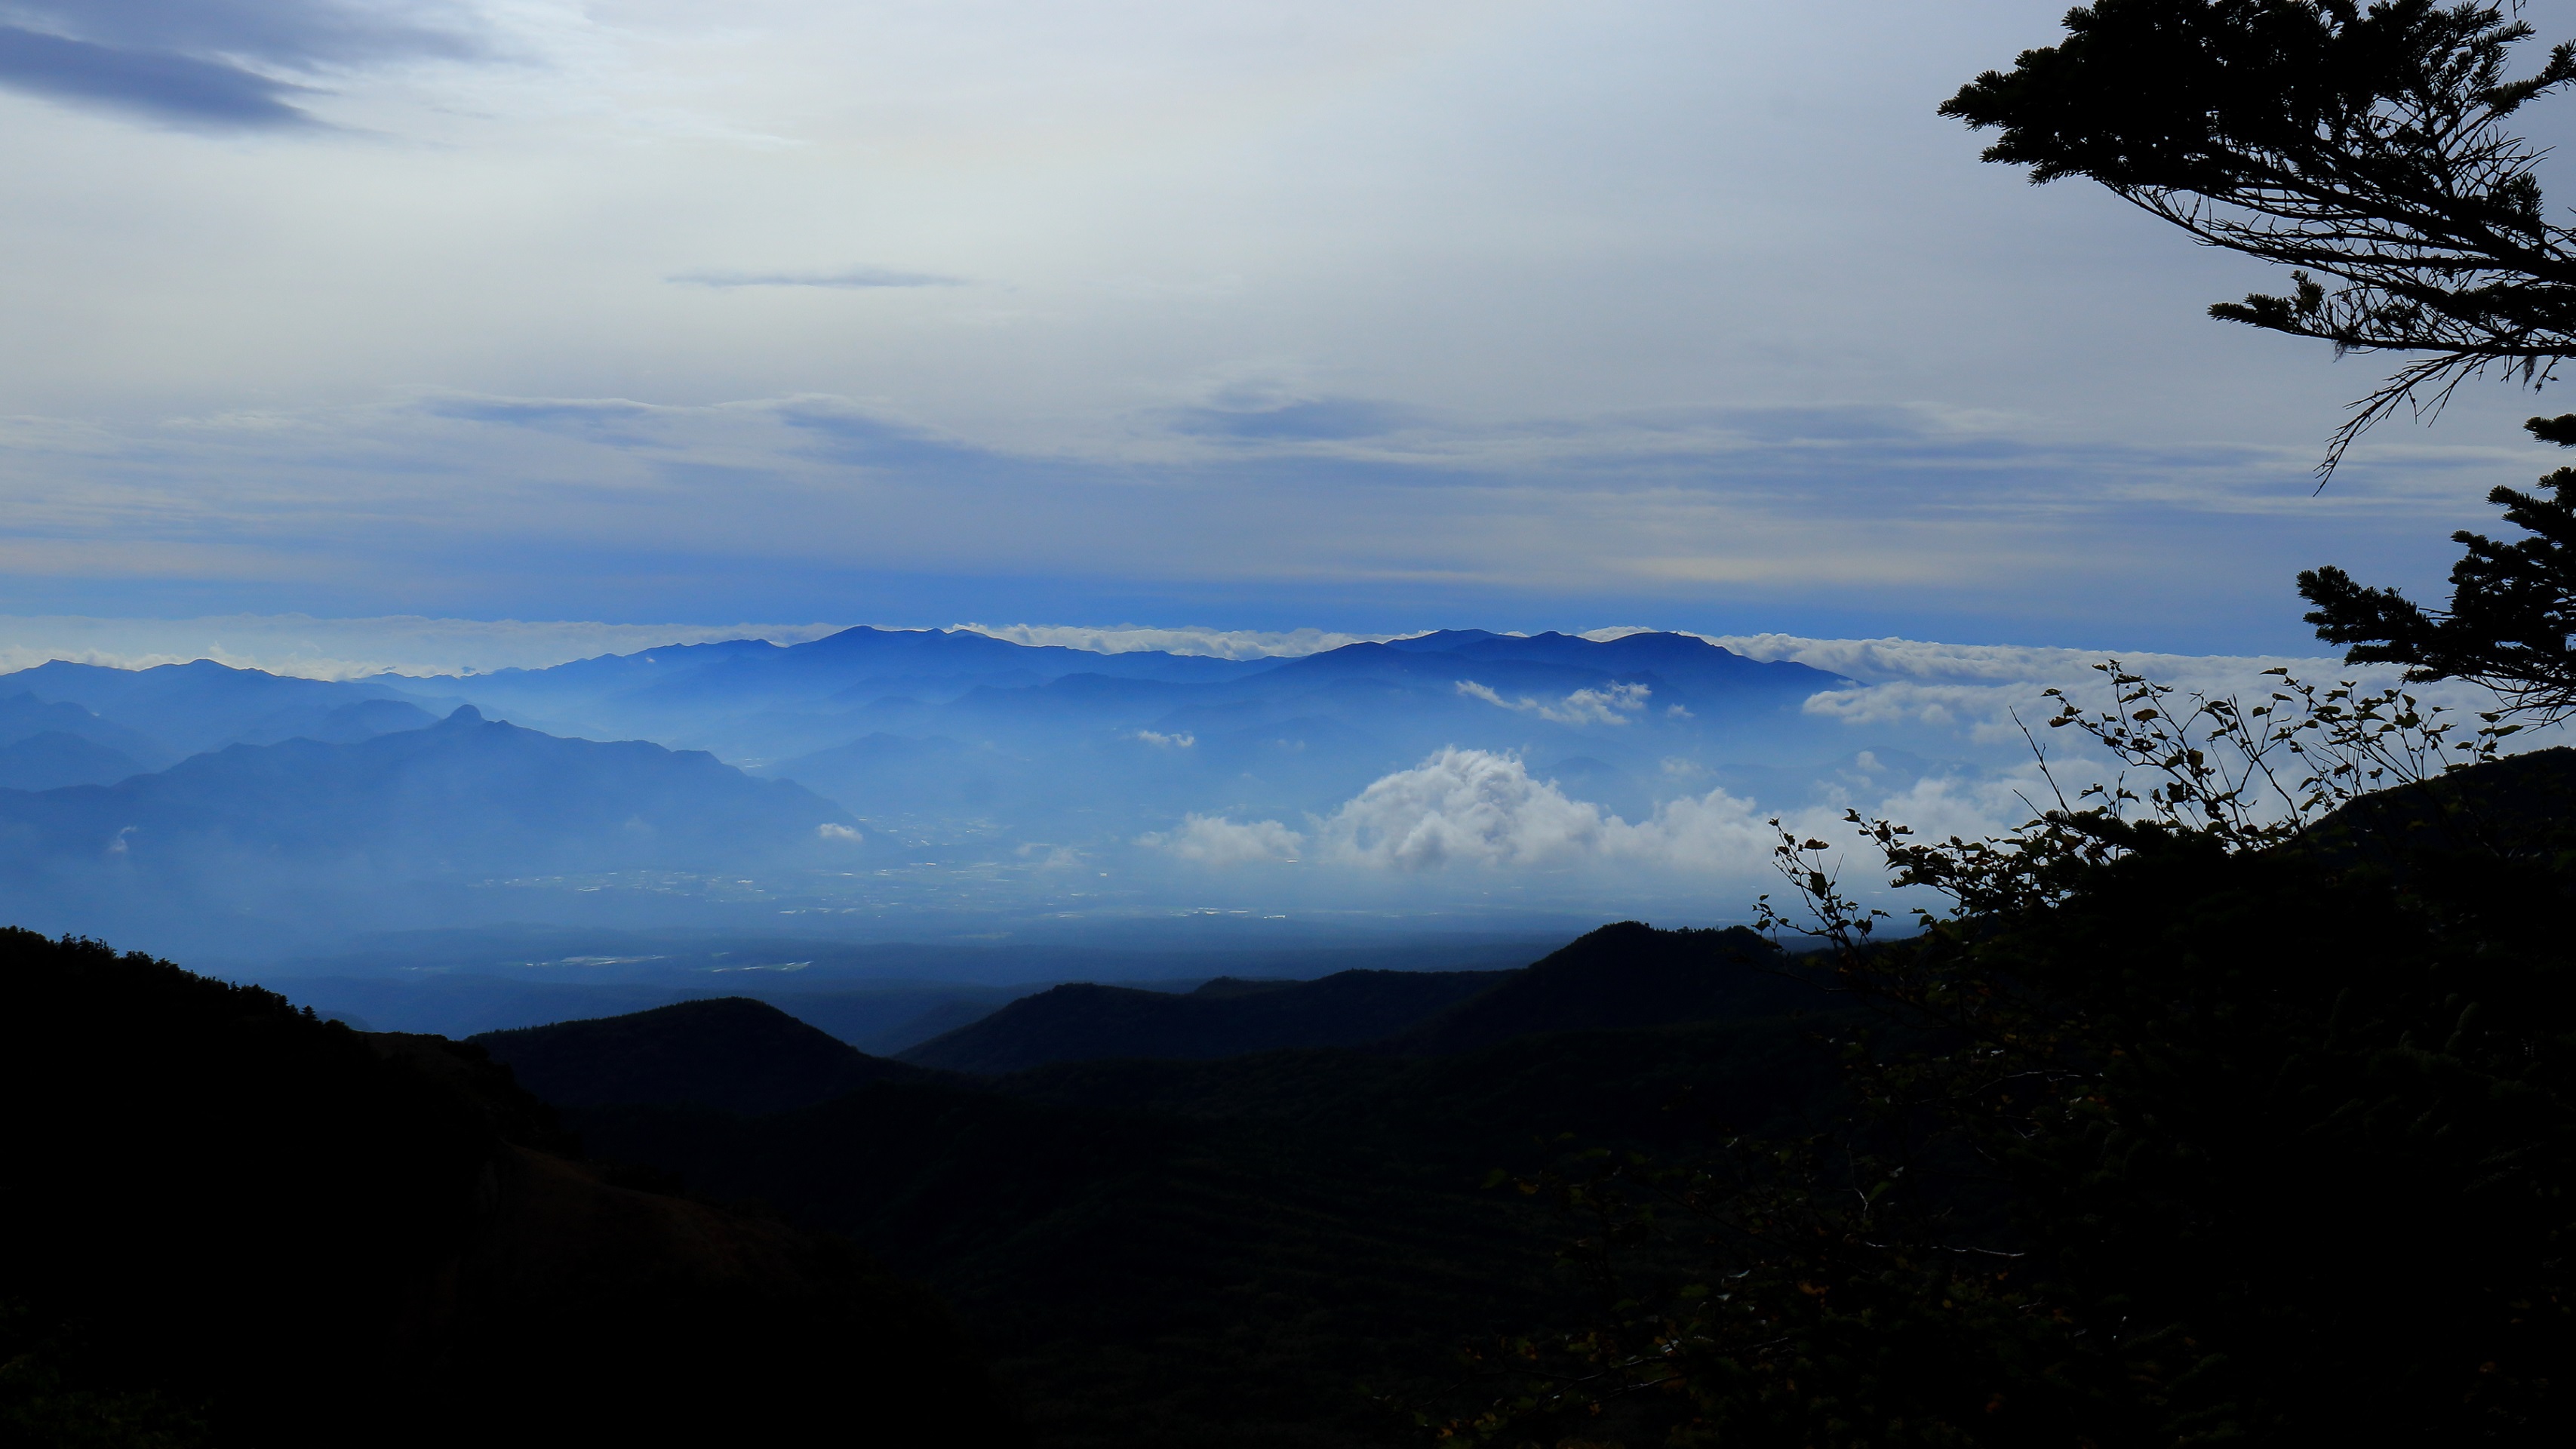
<point>1482,811</point>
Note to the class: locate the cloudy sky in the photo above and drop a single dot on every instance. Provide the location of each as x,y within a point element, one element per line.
<point>1342,316</point>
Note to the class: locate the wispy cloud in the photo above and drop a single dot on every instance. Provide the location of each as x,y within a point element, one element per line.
<point>1302,420</point>
<point>173,89</point>
<point>1615,705</point>
<point>213,64</point>
<point>1215,643</point>
<point>301,33</point>
<point>853,278</point>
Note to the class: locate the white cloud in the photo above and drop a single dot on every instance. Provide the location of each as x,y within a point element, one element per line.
<point>829,831</point>
<point>1614,705</point>
<point>1214,643</point>
<point>1215,840</point>
<point>1481,808</point>
<point>1924,662</point>
<point>1463,806</point>
<point>1167,742</point>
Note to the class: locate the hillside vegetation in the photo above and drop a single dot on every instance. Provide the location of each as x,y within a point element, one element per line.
<point>1224,1017</point>
<point>731,1053</point>
<point>228,1223</point>
<point>1230,1248</point>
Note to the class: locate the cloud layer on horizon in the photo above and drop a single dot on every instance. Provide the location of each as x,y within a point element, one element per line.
<point>548,506</point>
<point>1412,310</point>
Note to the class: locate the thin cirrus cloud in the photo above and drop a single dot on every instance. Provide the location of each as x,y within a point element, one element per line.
<point>852,279</point>
<point>174,89</point>
<point>1330,419</point>
<point>191,63</point>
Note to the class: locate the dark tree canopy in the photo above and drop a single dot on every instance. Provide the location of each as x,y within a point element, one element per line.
<point>2368,149</point>
<point>2513,604</point>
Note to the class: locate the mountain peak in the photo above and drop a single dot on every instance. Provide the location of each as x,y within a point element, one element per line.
<point>465,714</point>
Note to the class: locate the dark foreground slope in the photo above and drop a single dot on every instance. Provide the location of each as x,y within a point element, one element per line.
<point>732,1053</point>
<point>1085,1022</point>
<point>1182,1253</point>
<point>228,1223</point>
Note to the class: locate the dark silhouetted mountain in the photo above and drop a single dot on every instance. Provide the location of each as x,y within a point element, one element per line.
<point>204,705</point>
<point>731,1053</point>
<point>880,1019</point>
<point>229,1223</point>
<point>1175,1253</point>
<point>1627,975</point>
<point>53,759</point>
<point>1085,1022</point>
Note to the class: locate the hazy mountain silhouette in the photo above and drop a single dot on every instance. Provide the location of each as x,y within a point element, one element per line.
<point>1140,747</point>
<point>24,716</point>
<point>971,771</point>
<point>730,1053</point>
<point>750,698</point>
<point>53,759</point>
<point>466,795</point>
<point>1222,1018</point>
<point>335,831</point>
<point>188,708</point>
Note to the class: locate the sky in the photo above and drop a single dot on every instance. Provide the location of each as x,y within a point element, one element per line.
<point>1352,318</point>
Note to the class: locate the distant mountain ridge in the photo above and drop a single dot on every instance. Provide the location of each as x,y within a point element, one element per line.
<point>314,828</point>
<point>463,795</point>
<point>185,709</point>
<point>966,771</point>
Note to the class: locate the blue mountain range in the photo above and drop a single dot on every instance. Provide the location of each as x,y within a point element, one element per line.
<point>909,758</point>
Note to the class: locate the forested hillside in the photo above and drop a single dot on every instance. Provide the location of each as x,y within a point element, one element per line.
<point>228,1223</point>
<point>1182,1252</point>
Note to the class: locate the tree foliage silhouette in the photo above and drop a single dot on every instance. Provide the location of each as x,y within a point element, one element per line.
<point>2371,150</point>
<point>2513,607</point>
<point>2368,149</point>
<point>2232,1100</point>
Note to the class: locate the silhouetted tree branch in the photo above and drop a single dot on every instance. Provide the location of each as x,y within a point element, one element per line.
<point>2367,149</point>
<point>2513,604</point>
